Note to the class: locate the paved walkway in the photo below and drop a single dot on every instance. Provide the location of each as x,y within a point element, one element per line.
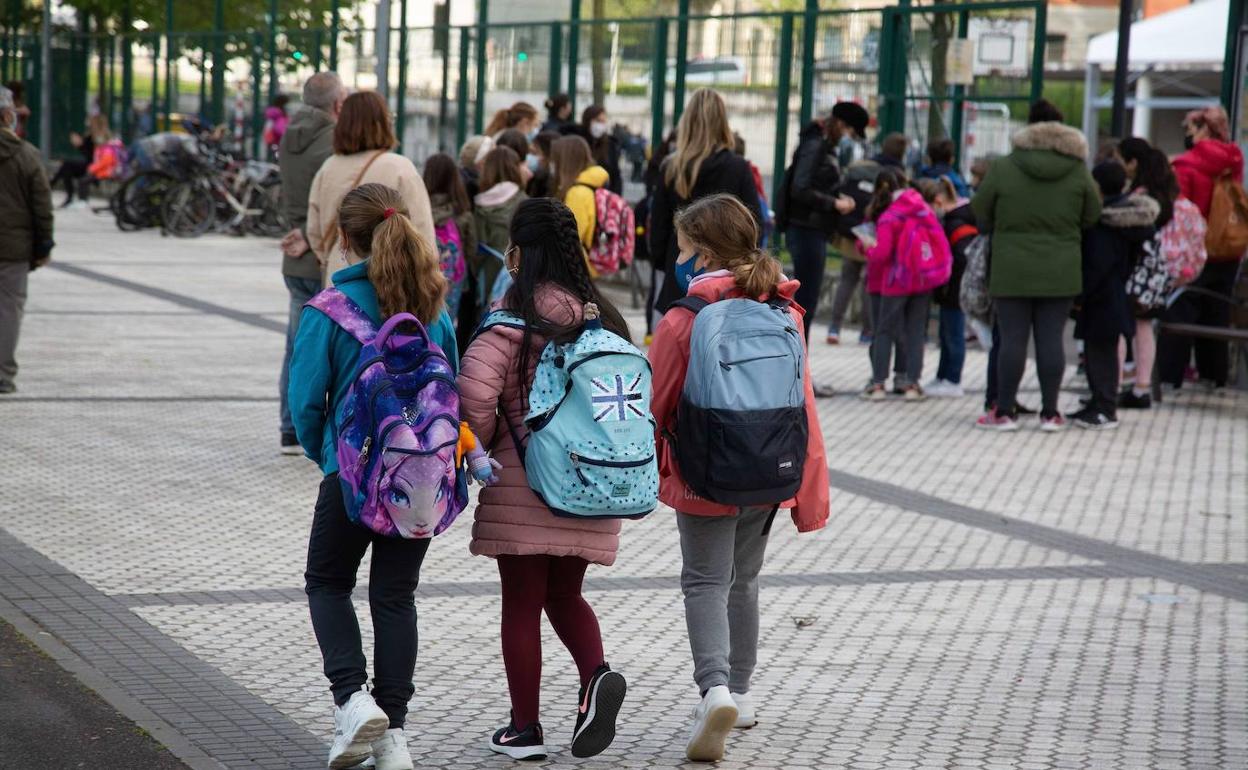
<point>978,600</point>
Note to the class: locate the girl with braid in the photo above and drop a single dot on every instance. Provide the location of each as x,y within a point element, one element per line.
<point>722,546</point>
<point>541,559</point>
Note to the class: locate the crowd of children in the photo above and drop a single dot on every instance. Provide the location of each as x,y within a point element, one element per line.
<point>570,428</point>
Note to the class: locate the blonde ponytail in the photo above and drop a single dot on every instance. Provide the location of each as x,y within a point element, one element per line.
<point>725,233</point>
<point>402,266</point>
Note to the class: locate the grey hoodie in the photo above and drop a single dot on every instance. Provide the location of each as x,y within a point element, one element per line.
<point>307,143</point>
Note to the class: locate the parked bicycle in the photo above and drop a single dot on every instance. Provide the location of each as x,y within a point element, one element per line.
<point>232,196</point>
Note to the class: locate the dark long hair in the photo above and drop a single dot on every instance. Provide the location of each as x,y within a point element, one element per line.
<point>551,253</point>
<point>887,183</point>
<point>442,176</point>
<point>1153,173</point>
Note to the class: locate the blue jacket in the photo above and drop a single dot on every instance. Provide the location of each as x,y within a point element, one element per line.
<point>945,170</point>
<point>322,366</point>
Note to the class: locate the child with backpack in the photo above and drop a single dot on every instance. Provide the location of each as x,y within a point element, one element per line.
<point>1103,311</point>
<point>539,521</point>
<point>729,361</point>
<point>455,231</point>
<point>958,220</point>
<point>909,259</point>
<point>391,495</point>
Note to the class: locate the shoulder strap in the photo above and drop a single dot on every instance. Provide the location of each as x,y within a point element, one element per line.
<point>343,311</point>
<point>694,305</point>
<point>331,233</point>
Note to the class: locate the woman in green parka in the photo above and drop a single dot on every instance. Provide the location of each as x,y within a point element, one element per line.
<point>1036,202</point>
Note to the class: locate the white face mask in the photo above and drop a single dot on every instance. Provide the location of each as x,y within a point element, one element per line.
<point>597,129</point>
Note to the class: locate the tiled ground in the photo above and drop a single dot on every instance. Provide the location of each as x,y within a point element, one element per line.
<point>1021,601</point>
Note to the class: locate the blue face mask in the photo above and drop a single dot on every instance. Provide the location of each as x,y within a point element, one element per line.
<point>686,271</point>
<point>533,162</point>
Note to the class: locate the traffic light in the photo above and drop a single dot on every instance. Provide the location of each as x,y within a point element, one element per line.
<point>522,56</point>
<point>298,56</point>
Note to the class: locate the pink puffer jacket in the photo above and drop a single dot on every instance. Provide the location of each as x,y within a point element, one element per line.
<point>510,519</point>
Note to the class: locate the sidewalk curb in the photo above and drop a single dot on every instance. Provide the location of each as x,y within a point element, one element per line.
<point>160,730</point>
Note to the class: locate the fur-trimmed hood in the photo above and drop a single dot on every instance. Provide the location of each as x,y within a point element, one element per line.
<point>1048,150</point>
<point>1130,211</point>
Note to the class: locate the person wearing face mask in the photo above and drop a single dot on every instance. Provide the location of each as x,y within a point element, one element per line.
<point>25,231</point>
<point>1210,155</point>
<point>538,161</point>
<point>605,148</point>
<point>513,139</point>
<point>521,116</point>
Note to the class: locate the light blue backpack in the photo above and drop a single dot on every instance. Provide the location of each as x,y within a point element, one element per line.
<point>590,452</point>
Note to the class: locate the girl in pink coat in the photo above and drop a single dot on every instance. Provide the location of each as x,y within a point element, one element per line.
<point>541,558</point>
<point>722,546</point>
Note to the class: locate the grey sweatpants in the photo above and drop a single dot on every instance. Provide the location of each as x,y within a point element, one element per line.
<point>14,277</point>
<point>900,322</point>
<point>722,556</point>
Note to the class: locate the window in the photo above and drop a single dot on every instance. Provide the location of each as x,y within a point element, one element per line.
<point>1055,49</point>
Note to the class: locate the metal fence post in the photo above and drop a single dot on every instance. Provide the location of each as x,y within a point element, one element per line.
<point>218,61</point>
<point>958,107</point>
<point>400,105</point>
<point>461,108</point>
<point>127,73</point>
<point>556,59</point>
<point>1231,62</point>
<point>257,123</point>
<point>682,56</point>
<point>782,102</point>
<point>810,23</point>
<point>333,35</point>
<point>1037,51</point>
<point>483,21</point>
<point>272,49</point>
<point>171,48</point>
<point>658,85</point>
<point>574,50</point>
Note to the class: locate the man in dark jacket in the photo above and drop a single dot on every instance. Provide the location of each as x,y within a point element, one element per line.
<point>25,231</point>
<point>811,209</point>
<point>1104,312</point>
<point>307,143</point>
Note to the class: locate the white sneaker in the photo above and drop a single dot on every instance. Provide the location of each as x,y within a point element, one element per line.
<point>746,716</point>
<point>356,725</point>
<point>944,389</point>
<point>713,719</point>
<point>390,751</point>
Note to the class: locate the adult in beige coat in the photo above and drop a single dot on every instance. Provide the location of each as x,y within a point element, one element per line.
<point>363,144</point>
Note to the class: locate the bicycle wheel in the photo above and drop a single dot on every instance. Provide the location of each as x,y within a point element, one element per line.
<point>269,222</point>
<point>138,203</point>
<point>189,209</point>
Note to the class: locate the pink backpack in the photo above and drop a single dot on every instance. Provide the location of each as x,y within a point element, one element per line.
<point>924,260</point>
<point>1183,243</point>
<point>615,233</point>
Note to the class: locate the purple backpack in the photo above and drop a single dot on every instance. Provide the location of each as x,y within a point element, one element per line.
<point>398,426</point>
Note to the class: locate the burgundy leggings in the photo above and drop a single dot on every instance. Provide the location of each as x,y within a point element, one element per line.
<point>531,584</point>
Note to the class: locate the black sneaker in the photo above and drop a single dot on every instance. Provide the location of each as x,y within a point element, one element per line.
<point>1128,400</point>
<point>290,445</point>
<point>598,706</point>
<point>526,744</point>
<point>1090,419</point>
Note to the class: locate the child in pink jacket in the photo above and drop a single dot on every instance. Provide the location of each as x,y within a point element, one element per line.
<point>722,546</point>
<point>541,558</point>
<point>909,259</point>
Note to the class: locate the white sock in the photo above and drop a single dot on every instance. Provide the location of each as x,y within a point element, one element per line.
<point>1139,392</point>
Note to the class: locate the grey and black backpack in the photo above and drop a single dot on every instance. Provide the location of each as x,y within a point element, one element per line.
<point>741,425</point>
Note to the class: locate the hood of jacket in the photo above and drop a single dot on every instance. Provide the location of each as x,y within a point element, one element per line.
<point>720,284</point>
<point>9,144</point>
<point>273,113</point>
<point>594,176</point>
<point>1130,211</point>
<point>497,195</point>
<point>1048,150</point>
<point>308,125</point>
<point>442,207</point>
<point>909,204</point>
<point>1211,157</point>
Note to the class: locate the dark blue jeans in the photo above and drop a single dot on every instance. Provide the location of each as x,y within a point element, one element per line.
<point>952,345</point>
<point>809,250</point>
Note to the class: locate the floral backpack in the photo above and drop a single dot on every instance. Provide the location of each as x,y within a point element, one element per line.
<point>1183,243</point>
<point>615,233</point>
<point>451,255</point>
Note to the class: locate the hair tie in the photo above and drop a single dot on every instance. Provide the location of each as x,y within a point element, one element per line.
<point>387,213</point>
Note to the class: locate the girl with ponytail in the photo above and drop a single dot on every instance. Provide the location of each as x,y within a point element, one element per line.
<point>391,268</point>
<point>541,559</point>
<point>722,546</point>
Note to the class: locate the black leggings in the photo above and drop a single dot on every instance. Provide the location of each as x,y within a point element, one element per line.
<point>1212,356</point>
<point>72,172</point>
<point>1044,319</point>
<point>335,549</point>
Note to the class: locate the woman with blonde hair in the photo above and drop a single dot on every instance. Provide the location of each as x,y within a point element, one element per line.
<point>391,268</point>
<point>703,164</point>
<point>576,178</point>
<point>363,152</point>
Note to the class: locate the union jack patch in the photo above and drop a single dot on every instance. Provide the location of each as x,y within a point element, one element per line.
<point>616,400</point>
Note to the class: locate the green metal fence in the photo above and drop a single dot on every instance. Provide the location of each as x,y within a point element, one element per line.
<point>774,69</point>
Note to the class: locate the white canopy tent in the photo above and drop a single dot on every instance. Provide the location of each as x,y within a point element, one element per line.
<point>1165,49</point>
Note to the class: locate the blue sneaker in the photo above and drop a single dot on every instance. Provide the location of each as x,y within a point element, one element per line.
<point>865,338</point>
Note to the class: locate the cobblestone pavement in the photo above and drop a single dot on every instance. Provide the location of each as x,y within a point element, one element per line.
<point>978,600</point>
